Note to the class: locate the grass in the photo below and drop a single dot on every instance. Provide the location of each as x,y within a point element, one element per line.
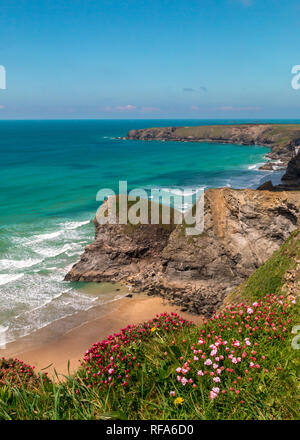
<point>149,371</point>
<point>270,277</point>
<point>270,395</point>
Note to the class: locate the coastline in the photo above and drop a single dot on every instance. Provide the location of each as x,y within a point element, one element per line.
<point>50,353</point>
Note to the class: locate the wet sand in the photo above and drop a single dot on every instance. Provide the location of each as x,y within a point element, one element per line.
<point>52,352</point>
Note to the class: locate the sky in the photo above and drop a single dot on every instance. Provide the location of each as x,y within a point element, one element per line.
<point>149,59</point>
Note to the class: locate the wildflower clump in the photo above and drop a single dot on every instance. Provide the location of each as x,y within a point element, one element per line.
<point>116,360</point>
<point>17,373</point>
<point>234,355</point>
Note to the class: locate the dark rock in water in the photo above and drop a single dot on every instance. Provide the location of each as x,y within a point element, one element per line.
<point>267,186</point>
<point>292,175</point>
<point>290,180</point>
<point>267,166</point>
<point>242,229</point>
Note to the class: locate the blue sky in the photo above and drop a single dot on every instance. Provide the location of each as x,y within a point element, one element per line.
<point>149,59</point>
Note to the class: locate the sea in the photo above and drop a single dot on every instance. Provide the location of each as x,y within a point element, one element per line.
<point>51,171</point>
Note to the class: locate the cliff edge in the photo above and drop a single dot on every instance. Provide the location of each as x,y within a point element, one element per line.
<point>242,230</point>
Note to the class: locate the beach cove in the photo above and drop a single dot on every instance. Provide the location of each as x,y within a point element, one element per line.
<point>51,172</point>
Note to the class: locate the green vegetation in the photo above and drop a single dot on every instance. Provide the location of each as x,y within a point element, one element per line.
<point>240,364</point>
<point>152,208</point>
<point>270,277</point>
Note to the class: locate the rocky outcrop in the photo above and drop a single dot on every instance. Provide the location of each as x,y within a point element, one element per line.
<point>292,175</point>
<point>242,230</point>
<point>283,139</point>
<point>290,180</point>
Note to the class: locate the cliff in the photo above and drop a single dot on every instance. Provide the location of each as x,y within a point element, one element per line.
<point>283,139</point>
<point>242,230</point>
<point>280,274</point>
<point>291,179</point>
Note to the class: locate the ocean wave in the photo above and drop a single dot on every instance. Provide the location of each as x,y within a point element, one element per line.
<point>48,252</point>
<point>74,225</point>
<point>6,278</point>
<point>185,192</point>
<point>49,236</point>
<point>18,264</point>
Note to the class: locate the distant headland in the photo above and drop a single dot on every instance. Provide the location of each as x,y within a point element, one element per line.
<point>283,139</point>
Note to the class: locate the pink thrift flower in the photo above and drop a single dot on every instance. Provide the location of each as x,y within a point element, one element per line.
<point>214,393</point>
<point>184,381</point>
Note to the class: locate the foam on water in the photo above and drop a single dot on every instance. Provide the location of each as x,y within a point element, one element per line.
<point>18,264</point>
<point>9,278</point>
<point>42,297</point>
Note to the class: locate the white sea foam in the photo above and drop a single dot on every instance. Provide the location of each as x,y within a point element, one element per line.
<point>74,225</point>
<point>50,253</point>
<point>18,264</point>
<point>7,278</point>
<point>43,237</point>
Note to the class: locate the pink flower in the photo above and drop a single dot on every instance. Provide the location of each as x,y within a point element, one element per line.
<point>216,379</point>
<point>200,373</point>
<point>184,381</point>
<point>208,362</point>
<point>172,393</point>
<point>214,393</point>
<point>196,358</point>
<point>249,311</point>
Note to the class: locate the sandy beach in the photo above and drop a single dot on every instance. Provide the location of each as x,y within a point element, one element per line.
<point>50,352</point>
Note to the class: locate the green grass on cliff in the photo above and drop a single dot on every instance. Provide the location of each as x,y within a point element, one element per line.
<point>270,277</point>
<point>130,228</point>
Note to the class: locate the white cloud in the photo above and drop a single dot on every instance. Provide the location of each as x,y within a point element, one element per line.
<point>124,108</point>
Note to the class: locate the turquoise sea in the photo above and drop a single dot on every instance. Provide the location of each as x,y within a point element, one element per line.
<point>50,174</point>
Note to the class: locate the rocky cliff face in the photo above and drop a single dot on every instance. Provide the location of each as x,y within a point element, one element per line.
<point>242,230</point>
